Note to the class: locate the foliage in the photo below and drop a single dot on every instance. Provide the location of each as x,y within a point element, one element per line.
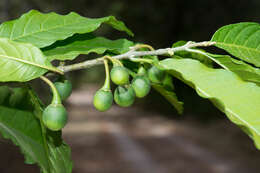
<point>22,61</point>
<point>241,40</point>
<point>24,127</point>
<point>235,97</point>
<point>28,46</point>
<point>43,30</point>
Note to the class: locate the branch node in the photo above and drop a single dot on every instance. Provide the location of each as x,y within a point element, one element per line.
<point>170,52</point>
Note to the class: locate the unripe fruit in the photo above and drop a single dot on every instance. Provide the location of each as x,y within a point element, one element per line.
<point>103,100</point>
<point>55,117</point>
<point>119,75</point>
<point>64,89</point>
<point>124,96</point>
<point>141,86</point>
<point>156,75</point>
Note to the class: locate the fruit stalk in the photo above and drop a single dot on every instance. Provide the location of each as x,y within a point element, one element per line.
<point>107,80</point>
<point>56,97</point>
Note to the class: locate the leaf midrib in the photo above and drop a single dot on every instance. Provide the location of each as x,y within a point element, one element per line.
<point>45,30</point>
<point>239,46</point>
<point>31,63</point>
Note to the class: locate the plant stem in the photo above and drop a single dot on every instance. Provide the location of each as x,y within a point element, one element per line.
<point>139,46</point>
<point>134,53</point>
<point>141,60</point>
<point>115,62</point>
<point>56,100</point>
<point>107,80</point>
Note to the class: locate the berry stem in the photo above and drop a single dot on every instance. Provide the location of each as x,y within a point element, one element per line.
<point>139,46</point>
<point>56,97</point>
<point>114,61</point>
<point>142,60</point>
<point>107,80</point>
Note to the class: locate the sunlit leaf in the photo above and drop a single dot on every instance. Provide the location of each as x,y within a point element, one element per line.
<point>38,145</point>
<point>43,29</point>
<point>238,99</point>
<point>21,61</point>
<point>241,40</point>
<point>84,44</point>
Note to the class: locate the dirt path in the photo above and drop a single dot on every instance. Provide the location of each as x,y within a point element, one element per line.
<point>130,140</point>
<point>129,143</point>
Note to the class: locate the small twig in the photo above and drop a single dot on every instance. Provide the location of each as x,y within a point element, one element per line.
<point>141,60</point>
<point>139,46</point>
<point>132,53</point>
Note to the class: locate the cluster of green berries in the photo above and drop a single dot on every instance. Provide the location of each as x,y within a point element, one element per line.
<point>55,115</point>
<point>126,92</point>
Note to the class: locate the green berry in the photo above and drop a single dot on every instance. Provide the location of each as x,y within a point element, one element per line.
<point>103,100</point>
<point>141,86</point>
<point>156,75</point>
<point>55,117</point>
<point>119,75</point>
<point>124,96</point>
<point>64,89</point>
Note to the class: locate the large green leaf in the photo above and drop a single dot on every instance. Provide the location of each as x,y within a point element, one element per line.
<point>44,29</point>
<point>25,131</point>
<point>238,99</point>
<point>38,145</point>
<point>243,70</point>
<point>21,61</point>
<point>84,44</point>
<point>241,40</point>
<point>59,154</point>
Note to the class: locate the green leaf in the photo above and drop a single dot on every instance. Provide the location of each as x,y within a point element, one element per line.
<point>243,70</point>
<point>25,131</point>
<point>170,96</point>
<point>238,99</point>
<point>42,29</point>
<point>22,62</point>
<point>179,43</point>
<point>167,82</point>
<point>59,153</point>
<point>166,89</point>
<point>38,145</point>
<point>241,40</point>
<point>84,44</point>
<point>4,94</point>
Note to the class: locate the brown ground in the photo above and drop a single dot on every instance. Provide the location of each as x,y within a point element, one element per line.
<point>129,140</point>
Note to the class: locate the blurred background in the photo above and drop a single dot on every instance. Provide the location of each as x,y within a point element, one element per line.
<point>148,137</point>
